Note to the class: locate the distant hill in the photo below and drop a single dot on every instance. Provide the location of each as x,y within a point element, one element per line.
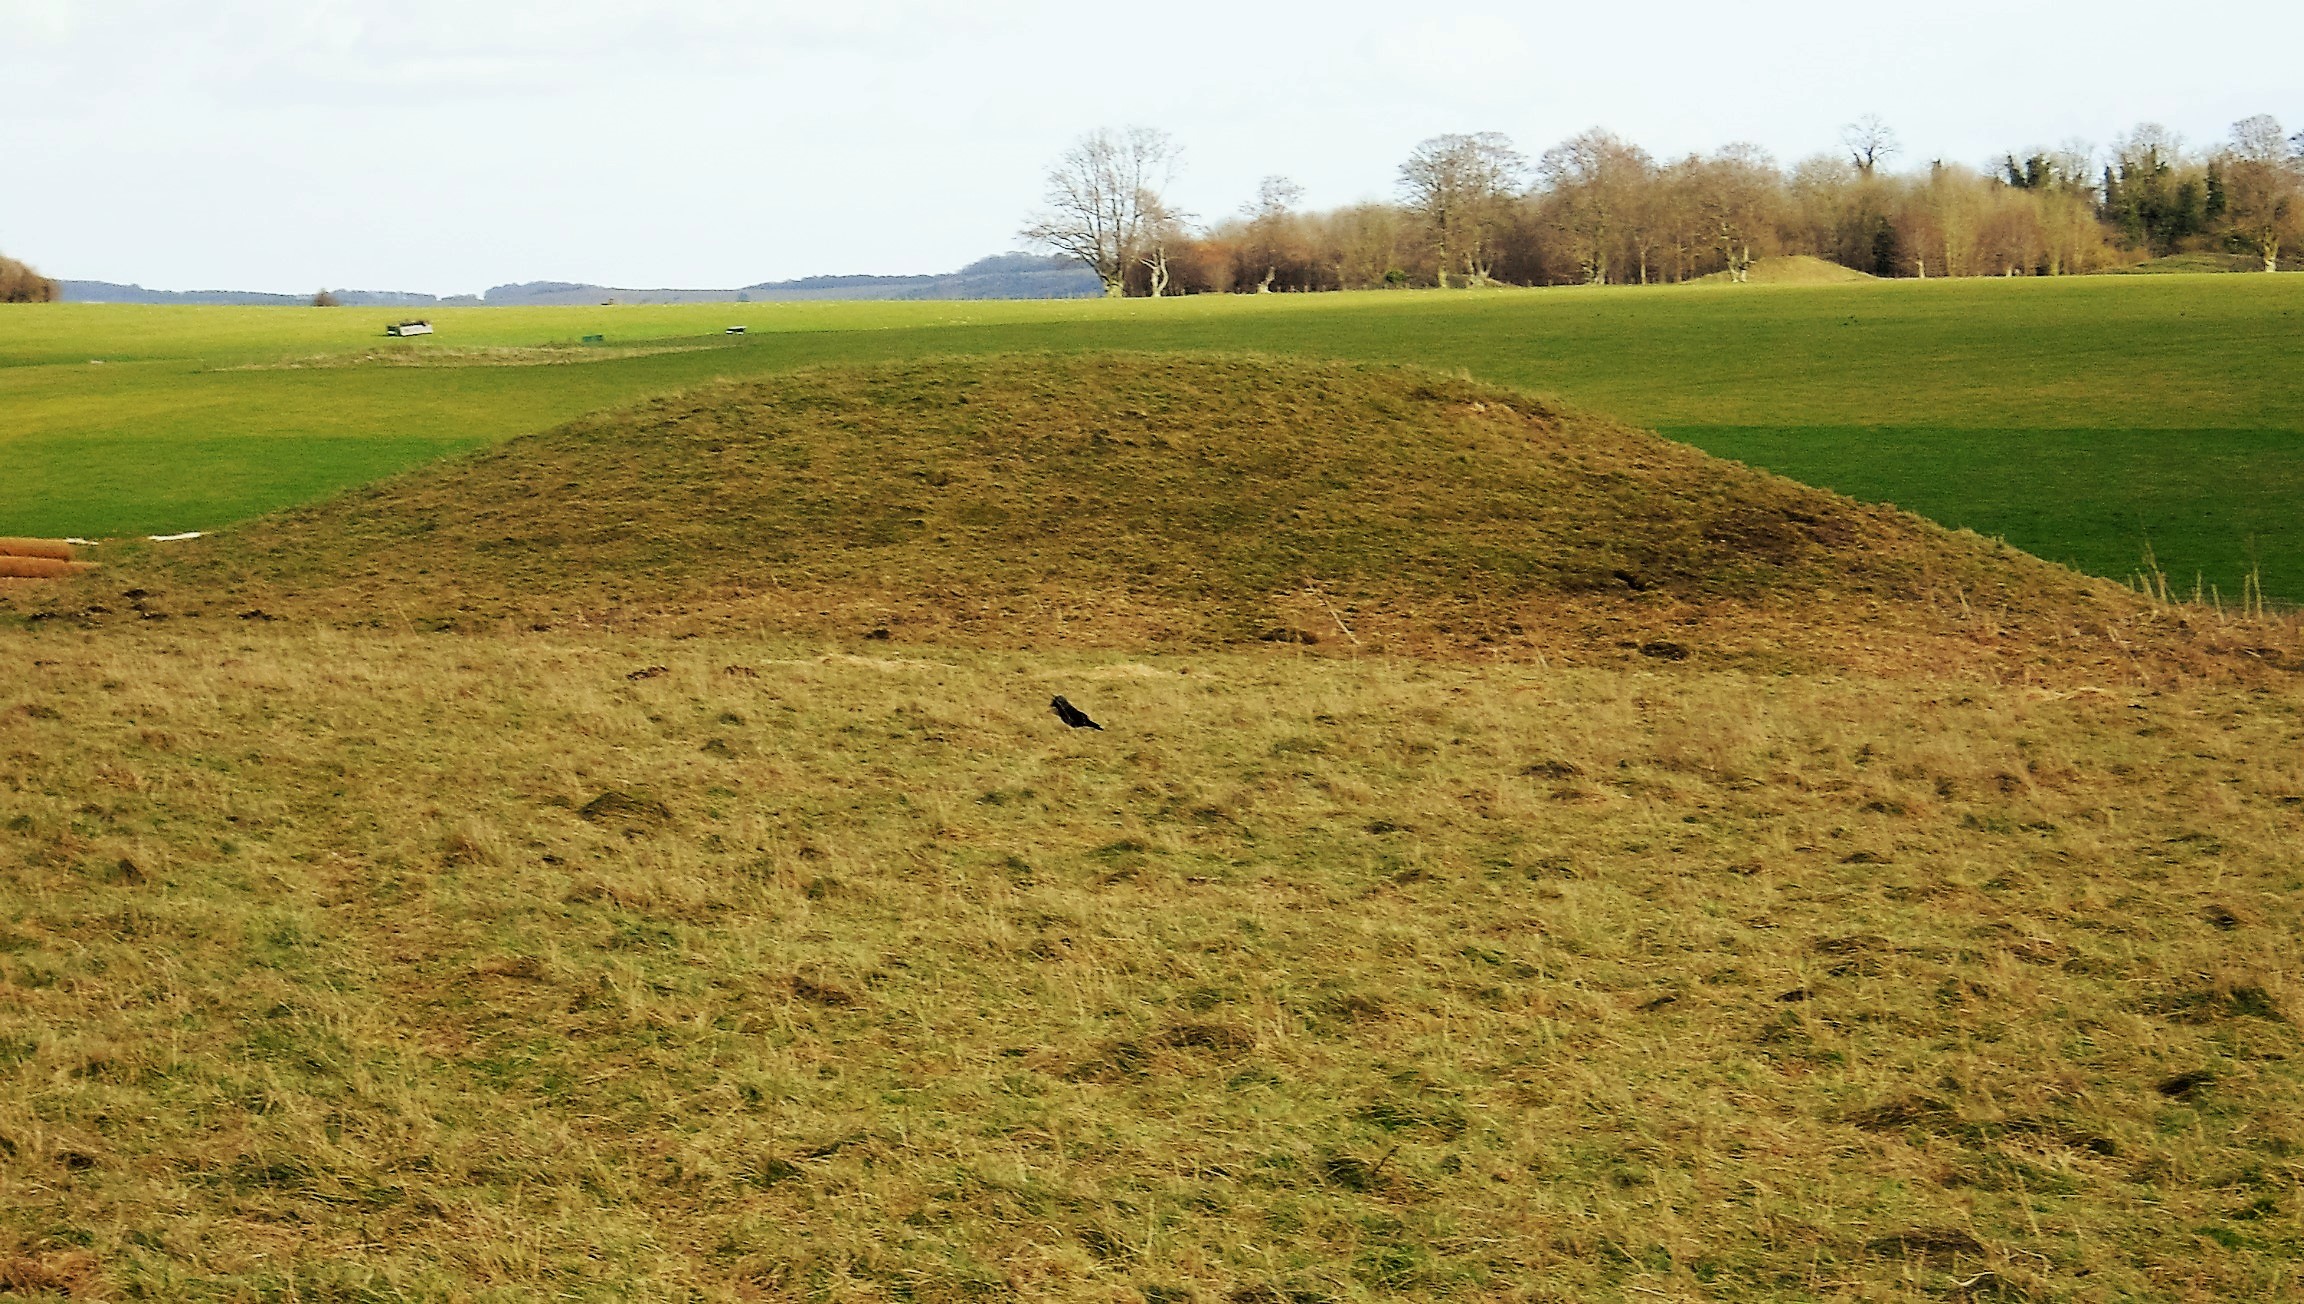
<point>1002,276</point>
<point>113,292</point>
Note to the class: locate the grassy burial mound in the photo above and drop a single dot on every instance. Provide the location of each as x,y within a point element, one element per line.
<point>1124,500</point>
<point>1793,269</point>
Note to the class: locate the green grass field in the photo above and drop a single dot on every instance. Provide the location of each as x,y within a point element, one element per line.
<point>2081,419</point>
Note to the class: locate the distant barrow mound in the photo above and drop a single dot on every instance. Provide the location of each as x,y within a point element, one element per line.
<point>1792,269</point>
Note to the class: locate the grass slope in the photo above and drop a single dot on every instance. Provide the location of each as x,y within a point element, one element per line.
<point>1115,499</point>
<point>370,966</point>
<point>2166,409</point>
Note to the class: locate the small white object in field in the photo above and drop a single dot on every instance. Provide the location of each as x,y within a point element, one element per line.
<point>173,538</point>
<point>84,543</point>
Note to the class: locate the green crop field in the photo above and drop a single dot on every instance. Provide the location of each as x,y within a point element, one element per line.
<point>2087,420</point>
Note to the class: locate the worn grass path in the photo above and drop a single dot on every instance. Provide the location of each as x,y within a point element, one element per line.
<point>2082,419</point>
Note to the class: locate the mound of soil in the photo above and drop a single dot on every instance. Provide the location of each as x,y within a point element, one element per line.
<point>1132,500</point>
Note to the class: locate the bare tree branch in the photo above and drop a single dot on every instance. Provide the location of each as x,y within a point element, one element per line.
<point>1460,186</point>
<point>1103,204</point>
<point>1870,142</point>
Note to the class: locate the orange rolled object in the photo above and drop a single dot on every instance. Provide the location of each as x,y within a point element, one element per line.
<point>40,568</point>
<point>52,549</point>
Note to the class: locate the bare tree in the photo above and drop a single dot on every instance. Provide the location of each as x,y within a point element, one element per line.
<point>1737,190</point>
<point>1870,142</point>
<point>1267,218</point>
<point>2075,163</point>
<point>1461,186</point>
<point>1595,183</point>
<point>1366,244</point>
<point>1104,206</point>
<point>2263,188</point>
<point>1163,229</point>
<point>2260,137</point>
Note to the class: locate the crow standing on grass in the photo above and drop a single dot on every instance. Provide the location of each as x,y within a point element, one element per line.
<point>1073,715</point>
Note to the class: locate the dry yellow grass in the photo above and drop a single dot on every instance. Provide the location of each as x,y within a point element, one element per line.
<point>358,965</point>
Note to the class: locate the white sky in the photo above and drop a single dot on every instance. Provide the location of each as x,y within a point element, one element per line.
<point>447,146</point>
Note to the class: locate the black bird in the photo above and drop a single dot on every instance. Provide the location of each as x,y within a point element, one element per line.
<point>1073,715</point>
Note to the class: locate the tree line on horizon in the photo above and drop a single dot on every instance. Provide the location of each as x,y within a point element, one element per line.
<point>1472,210</point>
<point>1596,209</point>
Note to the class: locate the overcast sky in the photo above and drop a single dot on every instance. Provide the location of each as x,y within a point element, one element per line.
<point>450,145</point>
